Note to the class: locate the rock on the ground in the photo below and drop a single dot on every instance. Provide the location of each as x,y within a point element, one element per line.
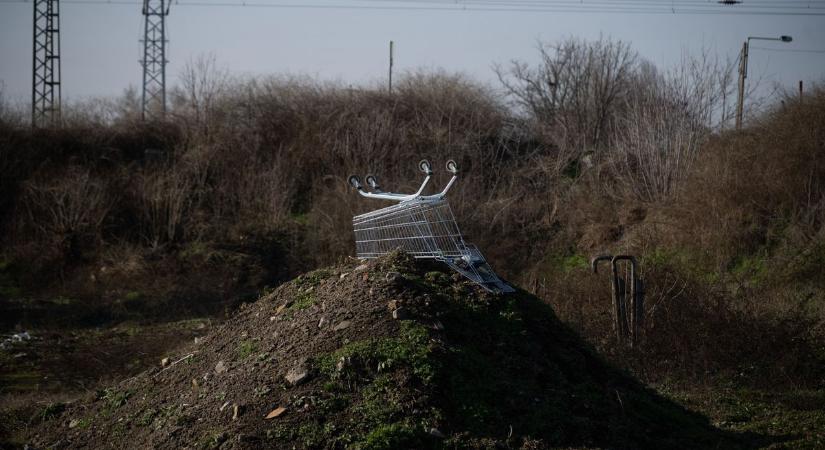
<point>400,313</point>
<point>220,367</point>
<point>297,375</point>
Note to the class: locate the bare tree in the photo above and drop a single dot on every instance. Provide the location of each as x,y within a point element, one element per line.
<point>666,118</point>
<point>574,89</point>
<point>202,85</point>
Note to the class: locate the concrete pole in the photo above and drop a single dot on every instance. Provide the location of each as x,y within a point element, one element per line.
<point>743,73</point>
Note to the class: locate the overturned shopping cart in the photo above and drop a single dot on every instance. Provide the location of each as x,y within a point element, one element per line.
<point>421,225</point>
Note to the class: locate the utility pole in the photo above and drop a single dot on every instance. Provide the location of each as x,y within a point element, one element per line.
<point>391,62</point>
<point>743,73</point>
<point>154,59</point>
<point>46,64</point>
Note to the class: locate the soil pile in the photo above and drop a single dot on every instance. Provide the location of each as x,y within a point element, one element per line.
<point>393,353</point>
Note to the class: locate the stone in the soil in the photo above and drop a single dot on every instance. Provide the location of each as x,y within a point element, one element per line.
<point>220,367</point>
<point>436,433</point>
<point>276,412</point>
<point>73,423</point>
<point>343,275</point>
<point>342,325</point>
<point>164,362</point>
<point>393,276</point>
<point>342,363</point>
<point>322,322</point>
<point>236,411</point>
<point>401,313</point>
<point>297,375</point>
<point>360,268</point>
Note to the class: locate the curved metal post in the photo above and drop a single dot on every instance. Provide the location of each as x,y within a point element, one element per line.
<point>633,319</point>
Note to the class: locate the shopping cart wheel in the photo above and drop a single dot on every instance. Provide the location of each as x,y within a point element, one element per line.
<point>424,166</point>
<point>354,181</point>
<point>371,181</point>
<point>452,167</point>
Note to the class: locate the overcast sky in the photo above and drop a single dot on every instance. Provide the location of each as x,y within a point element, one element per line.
<point>100,48</point>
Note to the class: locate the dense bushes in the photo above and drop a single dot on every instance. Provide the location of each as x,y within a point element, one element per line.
<point>248,177</point>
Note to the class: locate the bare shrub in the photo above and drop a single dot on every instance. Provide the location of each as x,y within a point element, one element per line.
<point>164,199</point>
<point>66,209</point>
<point>666,120</point>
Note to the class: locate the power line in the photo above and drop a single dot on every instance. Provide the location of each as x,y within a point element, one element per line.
<point>600,6</point>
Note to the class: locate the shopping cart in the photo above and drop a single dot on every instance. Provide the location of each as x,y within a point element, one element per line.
<point>421,225</point>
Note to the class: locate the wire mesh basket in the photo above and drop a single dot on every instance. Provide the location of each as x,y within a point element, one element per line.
<point>423,226</point>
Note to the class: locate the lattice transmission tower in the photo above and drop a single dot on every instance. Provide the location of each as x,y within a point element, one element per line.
<point>46,64</point>
<point>154,58</point>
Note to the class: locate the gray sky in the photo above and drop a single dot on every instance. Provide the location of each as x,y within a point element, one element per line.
<point>100,46</point>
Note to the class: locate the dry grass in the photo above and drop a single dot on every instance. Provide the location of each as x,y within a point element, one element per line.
<point>729,226</point>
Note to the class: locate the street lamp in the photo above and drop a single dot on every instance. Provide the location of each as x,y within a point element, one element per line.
<point>743,72</point>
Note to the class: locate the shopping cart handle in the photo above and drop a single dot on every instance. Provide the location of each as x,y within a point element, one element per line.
<point>372,182</point>
<point>452,167</point>
<point>425,167</point>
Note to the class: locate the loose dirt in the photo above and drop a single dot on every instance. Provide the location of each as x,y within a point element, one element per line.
<point>392,353</point>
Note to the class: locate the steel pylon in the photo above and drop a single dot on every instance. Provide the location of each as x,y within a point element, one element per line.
<point>154,59</point>
<point>46,64</point>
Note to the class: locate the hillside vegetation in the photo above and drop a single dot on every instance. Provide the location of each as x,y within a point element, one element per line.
<point>110,220</point>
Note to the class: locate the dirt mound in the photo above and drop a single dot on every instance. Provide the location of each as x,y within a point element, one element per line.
<point>389,354</point>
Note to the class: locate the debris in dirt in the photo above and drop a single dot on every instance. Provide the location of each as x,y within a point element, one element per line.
<point>437,325</point>
<point>436,433</point>
<point>342,363</point>
<point>297,375</point>
<point>224,406</point>
<point>236,411</point>
<point>74,423</point>
<point>272,318</point>
<point>16,338</point>
<point>280,309</point>
<point>392,305</point>
<point>198,340</point>
<point>276,412</point>
<point>220,367</point>
<point>322,322</point>
<point>361,268</point>
<point>164,362</point>
<point>194,383</point>
<point>393,277</point>
<point>169,366</point>
<point>343,275</point>
<point>400,313</point>
<point>366,276</point>
<point>342,325</point>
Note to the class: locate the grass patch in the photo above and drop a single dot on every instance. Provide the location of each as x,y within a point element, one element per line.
<point>246,349</point>
<point>412,348</point>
